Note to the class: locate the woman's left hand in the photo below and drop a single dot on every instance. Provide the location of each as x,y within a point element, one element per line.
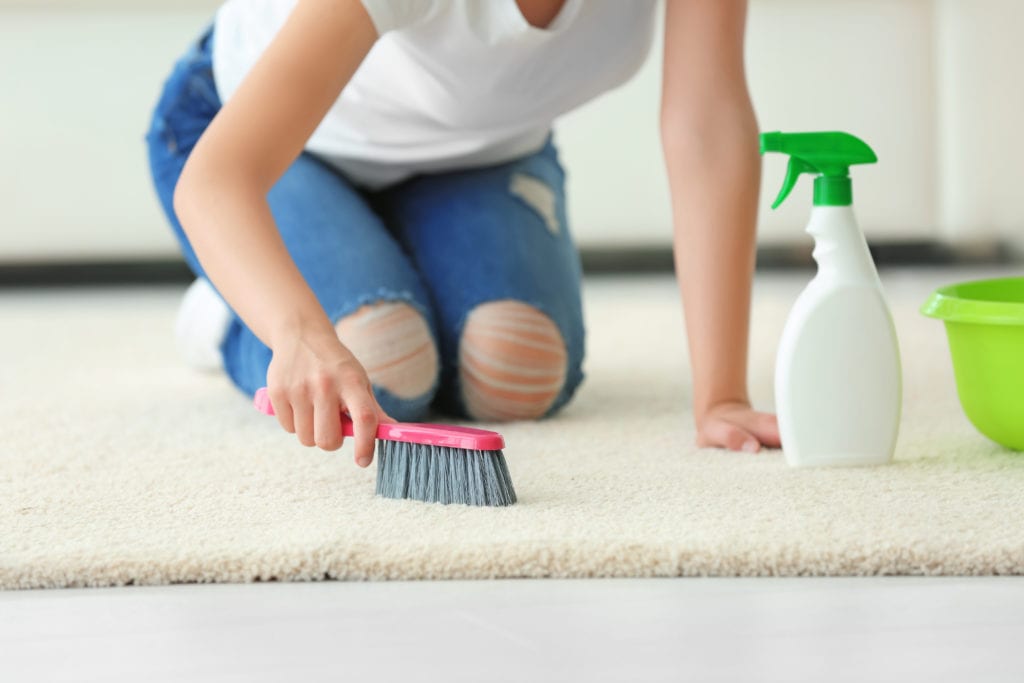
<point>738,427</point>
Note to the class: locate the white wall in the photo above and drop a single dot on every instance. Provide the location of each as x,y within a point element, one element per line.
<point>933,85</point>
<point>980,108</point>
<point>863,66</point>
<point>76,89</point>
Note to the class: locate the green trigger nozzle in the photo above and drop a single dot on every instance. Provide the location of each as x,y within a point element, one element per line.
<point>827,155</point>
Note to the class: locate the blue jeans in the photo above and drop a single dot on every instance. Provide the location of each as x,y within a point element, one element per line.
<point>443,243</point>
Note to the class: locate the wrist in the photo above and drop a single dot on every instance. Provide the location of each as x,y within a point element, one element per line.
<point>313,330</point>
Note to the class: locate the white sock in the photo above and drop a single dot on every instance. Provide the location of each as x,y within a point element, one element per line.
<point>203,321</point>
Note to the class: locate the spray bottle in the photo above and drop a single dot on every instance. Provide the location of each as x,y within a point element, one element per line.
<point>838,389</point>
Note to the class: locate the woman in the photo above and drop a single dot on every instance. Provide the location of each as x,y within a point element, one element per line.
<point>373,190</point>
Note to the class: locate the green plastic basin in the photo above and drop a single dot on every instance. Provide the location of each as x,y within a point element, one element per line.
<point>985,325</point>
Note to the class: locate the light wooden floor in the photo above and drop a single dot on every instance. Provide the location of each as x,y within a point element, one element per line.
<point>791,630</point>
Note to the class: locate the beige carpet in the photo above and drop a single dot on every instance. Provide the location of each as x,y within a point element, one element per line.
<point>118,466</point>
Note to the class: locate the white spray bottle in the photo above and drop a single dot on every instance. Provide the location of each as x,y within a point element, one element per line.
<point>838,388</point>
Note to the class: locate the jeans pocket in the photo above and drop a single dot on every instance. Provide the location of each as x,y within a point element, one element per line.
<point>201,89</point>
<point>188,100</point>
<point>186,114</point>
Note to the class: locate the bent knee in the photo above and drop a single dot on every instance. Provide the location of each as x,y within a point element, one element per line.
<point>512,362</point>
<point>392,341</point>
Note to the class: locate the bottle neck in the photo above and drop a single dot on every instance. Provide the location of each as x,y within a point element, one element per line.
<point>833,191</point>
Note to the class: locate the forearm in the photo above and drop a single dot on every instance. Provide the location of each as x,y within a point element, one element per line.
<point>237,242</point>
<point>221,195</point>
<point>714,177</point>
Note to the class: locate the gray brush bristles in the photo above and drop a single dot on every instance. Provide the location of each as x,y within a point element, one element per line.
<point>438,474</point>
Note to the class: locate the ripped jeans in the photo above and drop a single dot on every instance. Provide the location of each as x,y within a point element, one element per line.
<point>442,243</point>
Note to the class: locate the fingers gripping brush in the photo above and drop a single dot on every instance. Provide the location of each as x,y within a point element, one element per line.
<point>434,463</point>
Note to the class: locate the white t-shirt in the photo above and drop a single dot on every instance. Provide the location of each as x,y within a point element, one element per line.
<point>450,83</point>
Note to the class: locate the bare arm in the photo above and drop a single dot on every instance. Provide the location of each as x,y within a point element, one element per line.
<point>709,138</point>
<point>221,202</point>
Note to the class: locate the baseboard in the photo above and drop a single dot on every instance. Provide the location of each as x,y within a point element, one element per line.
<point>923,253</point>
<point>89,273</point>
<point>596,261</point>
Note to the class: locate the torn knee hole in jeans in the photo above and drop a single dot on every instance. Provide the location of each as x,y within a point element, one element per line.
<point>393,343</point>
<point>536,194</point>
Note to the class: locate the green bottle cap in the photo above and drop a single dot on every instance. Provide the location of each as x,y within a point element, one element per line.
<point>827,155</point>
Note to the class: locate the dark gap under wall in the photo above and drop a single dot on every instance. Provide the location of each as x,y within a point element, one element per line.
<point>596,261</point>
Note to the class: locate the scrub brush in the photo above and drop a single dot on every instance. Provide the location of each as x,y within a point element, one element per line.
<point>434,463</point>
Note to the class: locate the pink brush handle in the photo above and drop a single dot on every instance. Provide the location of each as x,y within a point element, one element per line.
<point>412,432</point>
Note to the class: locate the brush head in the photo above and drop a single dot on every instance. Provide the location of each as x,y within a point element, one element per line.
<point>440,474</point>
<point>434,463</point>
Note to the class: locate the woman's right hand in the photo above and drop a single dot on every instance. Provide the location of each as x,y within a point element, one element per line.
<point>311,380</point>
<point>221,201</point>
